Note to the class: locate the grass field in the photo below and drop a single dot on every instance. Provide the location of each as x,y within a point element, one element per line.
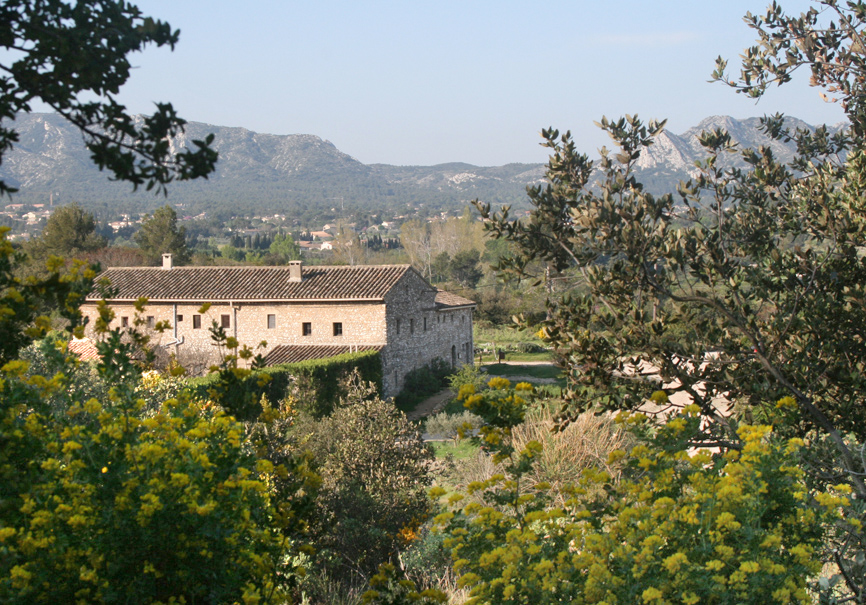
<point>462,450</point>
<point>506,370</point>
<point>502,335</point>
<point>518,356</point>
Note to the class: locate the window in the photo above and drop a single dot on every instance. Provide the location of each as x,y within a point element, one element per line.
<point>151,322</point>
<point>398,326</point>
<point>179,318</point>
<point>411,326</point>
<point>226,321</point>
<point>272,322</point>
<point>124,322</point>
<point>306,328</point>
<point>338,328</point>
<point>425,324</point>
<point>196,322</point>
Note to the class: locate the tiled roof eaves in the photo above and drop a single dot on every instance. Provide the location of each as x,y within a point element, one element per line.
<point>463,306</point>
<point>448,300</point>
<point>320,283</point>
<point>239,300</point>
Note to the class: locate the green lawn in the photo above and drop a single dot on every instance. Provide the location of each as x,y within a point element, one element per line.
<point>509,339</point>
<point>462,450</point>
<point>518,356</point>
<point>542,371</point>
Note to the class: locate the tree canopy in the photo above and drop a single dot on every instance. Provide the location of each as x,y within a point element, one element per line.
<point>70,230</point>
<point>159,234</point>
<point>285,248</point>
<point>745,290</point>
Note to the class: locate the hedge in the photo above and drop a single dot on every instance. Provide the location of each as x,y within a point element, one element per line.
<point>323,377</point>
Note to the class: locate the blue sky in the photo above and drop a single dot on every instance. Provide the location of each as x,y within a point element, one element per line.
<point>418,82</point>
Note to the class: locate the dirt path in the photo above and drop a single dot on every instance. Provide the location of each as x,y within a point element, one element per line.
<point>431,405</point>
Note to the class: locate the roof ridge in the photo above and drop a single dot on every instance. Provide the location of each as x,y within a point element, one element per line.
<point>263,267</point>
<point>253,282</point>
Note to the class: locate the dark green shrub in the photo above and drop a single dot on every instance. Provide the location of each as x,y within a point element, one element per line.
<point>323,378</point>
<point>422,383</point>
<point>530,347</point>
<point>375,470</point>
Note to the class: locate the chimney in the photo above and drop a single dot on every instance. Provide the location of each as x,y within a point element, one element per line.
<point>166,261</point>
<point>294,270</point>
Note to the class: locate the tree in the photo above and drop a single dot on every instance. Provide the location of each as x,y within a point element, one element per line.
<point>440,266</point>
<point>465,269</point>
<point>747,286</point>
<point>285,248</point>
<point>24,300</point>
<point>70,230</point>
<point>425,241</point>
<point>415,238</point>
<point>160,234</point>
<point>73,57</point>
<point>348,248</point>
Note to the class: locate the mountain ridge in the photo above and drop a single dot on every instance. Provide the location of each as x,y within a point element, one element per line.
<point>303,173</point>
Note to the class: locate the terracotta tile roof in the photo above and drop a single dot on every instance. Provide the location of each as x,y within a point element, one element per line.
<point>296,353</point>
<point>84,348</point>
<point>202,284</point>
<point>446,299</point>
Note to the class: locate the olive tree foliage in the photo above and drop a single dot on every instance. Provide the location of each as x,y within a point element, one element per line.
<point>73,56</point>
<point>747,286</point>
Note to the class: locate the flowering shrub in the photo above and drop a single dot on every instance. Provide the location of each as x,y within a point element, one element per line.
<point>736,527</point>
<point>169,506</point>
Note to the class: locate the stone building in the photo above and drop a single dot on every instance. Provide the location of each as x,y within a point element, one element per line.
<point>300,312</point>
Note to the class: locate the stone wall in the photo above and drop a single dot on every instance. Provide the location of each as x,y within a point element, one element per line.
<point>418,333</point>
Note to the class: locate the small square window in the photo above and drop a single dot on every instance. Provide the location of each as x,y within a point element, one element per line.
<point>196,322</point>
<point>226,321</point>
<point>180,318</point>
<point>151,322</point>
<point>338,328</point>
<point>272,322</point>
<point>124,322</point>
<point>306,328</point>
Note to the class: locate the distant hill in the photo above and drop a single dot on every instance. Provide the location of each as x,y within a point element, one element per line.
<point>291,174</point>
<point>306,176</point>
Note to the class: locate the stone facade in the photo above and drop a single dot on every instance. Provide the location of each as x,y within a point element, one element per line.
<point>419,329</point>
<point>391,308</point>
